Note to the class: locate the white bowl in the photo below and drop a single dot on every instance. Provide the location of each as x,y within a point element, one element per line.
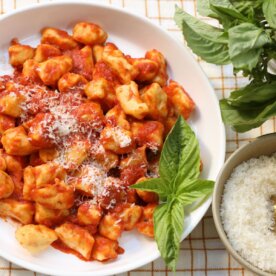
<point>262,145</point>
<point>135,35</point>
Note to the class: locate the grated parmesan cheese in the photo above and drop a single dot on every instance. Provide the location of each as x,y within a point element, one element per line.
<point>64,122</point>
<point>247,211</point>
<point>59,123</point>
<point>112,204</point>
<point>153,170</point>
<point>92,176</point>
<point>119,137</point>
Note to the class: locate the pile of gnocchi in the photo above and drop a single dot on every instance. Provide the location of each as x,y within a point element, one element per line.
<point>80,122</point>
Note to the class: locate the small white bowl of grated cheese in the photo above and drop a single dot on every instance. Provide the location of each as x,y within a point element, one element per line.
<point>244,205</point>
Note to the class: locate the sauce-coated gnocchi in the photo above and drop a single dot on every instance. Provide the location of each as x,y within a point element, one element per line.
<point>80,122</point>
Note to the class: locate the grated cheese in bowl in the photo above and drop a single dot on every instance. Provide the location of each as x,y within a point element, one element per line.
<point>247,211</point>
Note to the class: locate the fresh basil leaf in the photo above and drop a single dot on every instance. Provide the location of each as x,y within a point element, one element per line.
<point>254,93</point>
<point>225,7</point>
<point>269,10</point>
<point>203,8</point>
<point>248,7</point>
<point>247,60</point>
<point>206,41</point>
<point>200,27</point>
<point>246,43</point>
<point>247,117</point>
<point>227,21</point>
<point>156,185</point>
<point>192,207</point>
<point>229,16</point>
<point>191,190</point>
<point>189,164</point>
<point>179,162</point>
<point>180,155</point>
<point>168,228</point>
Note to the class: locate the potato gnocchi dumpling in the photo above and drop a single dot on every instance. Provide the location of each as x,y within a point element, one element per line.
<point>76,238</point>
<point>58,38</point>
<point>6,122</point>
<point>48,154</point>
<point>80,122</point>
<point>16,142</point>
<point>54,196</point>
<point>129,215</point>
<point>104,249</point>
<point>71,81</point>
<point>29,70</point>
<point>51,70</point>
<point>97,89</point>
<point>145,225</point>
<point>35,238</point>
<point>10,102</point>
<point>49,217</point>
<point>18,210</point>
<point>149,133</point>
<point>130,100</point>
<point>89,214</point>
<point>134,166</point>
<point>83,62</point>
<point>47,173</point>
<point>89,33</point>
<point>161,76</point>
<point>20,53</point>
<point>45,51</point>
<point>117,140</point>
<point>6,185</point>
<point>119,63</point>
<point>97,52</point>
<point>156,99</point>
<point>111,227</point>
<point>180,99</point>
<point>147,69</point>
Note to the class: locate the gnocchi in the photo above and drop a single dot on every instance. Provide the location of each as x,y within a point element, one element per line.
<point>35,238</point>
<point>76,238</point>
<point>80,122</point>
<point>6,185</point>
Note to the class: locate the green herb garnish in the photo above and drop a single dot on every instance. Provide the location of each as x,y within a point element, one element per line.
<point>247,39</point>
<point>178,186</point>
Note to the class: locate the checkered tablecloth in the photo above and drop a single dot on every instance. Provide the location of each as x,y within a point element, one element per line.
<point>202,253</point>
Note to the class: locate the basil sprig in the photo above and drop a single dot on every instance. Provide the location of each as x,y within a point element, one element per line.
<point>208,42</point>
<point>178,186</point>
<point>246,38</point>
